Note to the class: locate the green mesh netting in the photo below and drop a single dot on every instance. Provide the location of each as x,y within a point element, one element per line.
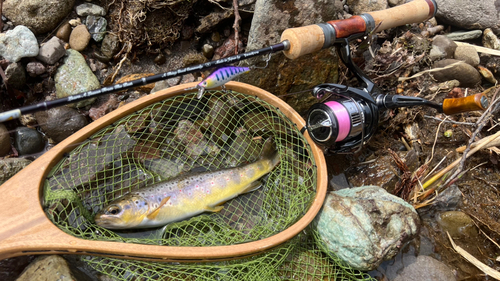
<point>183,135</point>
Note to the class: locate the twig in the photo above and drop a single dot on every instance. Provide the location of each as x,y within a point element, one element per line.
<point>450,121</point>
<point>236,26</point>
<point>129,48</point>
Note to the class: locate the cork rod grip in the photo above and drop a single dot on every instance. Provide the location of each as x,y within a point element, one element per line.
<point>465,104</point>
<point>412,12</point>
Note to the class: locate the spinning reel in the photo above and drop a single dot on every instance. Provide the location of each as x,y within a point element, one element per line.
<point>350,116</point>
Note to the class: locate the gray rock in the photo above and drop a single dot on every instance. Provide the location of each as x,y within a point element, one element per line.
<point>464,35</point>
<point>16,76</point>
<point>470,14</point>
<point>362,6</point>
<point>96,27</point>
<point>35,68</point>
<point>110,46</point>
<point>51,51</point>
<point>74,77</point>
<point>51,267</point>
<point>10,167</point>
<point>490,40</point>
<point>442,47</point>
<point>449,199</point>
<point>39,15</point>
<point>466,74</point>
<point>467,54</point>
<point>270,19</point>
<point>426,268</point>
<point>60,122</point>
<point>18,43</point>
<point>28,141</point>
<point>88,9</point>
<point>5,143</point>
<point>457,224</point>
<point>365,225</point>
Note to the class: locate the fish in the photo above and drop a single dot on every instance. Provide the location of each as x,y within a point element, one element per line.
<point>220,77</point>
<point>186,196</point>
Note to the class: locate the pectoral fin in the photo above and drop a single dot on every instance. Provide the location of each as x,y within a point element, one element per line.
<point>251,187</point>
<point>155,212</point>
<point>214,209</point>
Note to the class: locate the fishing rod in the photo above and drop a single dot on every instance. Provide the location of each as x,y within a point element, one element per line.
<point>295,42</point>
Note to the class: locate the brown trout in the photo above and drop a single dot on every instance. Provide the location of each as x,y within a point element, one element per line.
<point>186,196</point>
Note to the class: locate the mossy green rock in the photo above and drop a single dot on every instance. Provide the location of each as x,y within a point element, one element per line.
<point>75,77</point>
<point>365,225</point>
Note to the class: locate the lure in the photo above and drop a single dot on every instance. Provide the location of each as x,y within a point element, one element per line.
<point>220,77</point>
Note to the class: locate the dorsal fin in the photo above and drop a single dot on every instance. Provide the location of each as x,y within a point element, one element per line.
<point>153,214</point>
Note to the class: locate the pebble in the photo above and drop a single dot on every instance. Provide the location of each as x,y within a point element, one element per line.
<point>88,9</point>
<point>9,167</point>
<point>41,16</point>
<point>75,77</point>
<point>5,142</point>
<point>110,46</point>
<point>160,59</point>
<point>51,267</point>
<point>208,51</point>
<point>487,74</point>
<point>442,47</point>
<point>15,75</point>
<point>490,40</point>
<point>464,35</point>
<point>111,104</point>
<point>426,268</point>
<point>51,51</point>
<point>18,43</point>
<point>60,122</point>
<point>64,31</point>
<point>28,141</point>
<point>35,68</point>
<point>466,74</point>
<point>79,38</point>
<point>365,225</point>
<point>458,224</point>
<point>467,54</point>
<point>97,27</point>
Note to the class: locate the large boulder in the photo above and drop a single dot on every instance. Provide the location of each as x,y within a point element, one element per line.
<point>470,14</point>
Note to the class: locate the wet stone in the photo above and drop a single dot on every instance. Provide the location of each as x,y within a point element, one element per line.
<point>51,51</point>
<point>79,38</point>
<point>458,224</point>
<point>380,172</point>
<point>5,142</point>
<point>9,167</point>
<point>35,68</point>
<point>165,168</point>
<point>51,267</point>
<point>426,268</point>
<point>208,51</point>
<point>28,141</point>
<point>18,43</point>
<point>96,27</point>
<point>15,75</point>
<point>60,122</point>
<point>64,31</point>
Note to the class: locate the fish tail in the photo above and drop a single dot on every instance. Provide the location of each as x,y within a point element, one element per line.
<point>270,153</point>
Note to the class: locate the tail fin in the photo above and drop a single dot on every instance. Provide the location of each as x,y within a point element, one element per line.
<point>269,152</point>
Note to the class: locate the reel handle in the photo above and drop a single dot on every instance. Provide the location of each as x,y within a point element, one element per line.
<point>308,39</point>
<point>470,103</point>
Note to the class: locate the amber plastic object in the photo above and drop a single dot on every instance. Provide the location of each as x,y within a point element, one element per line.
<point>465,104</point>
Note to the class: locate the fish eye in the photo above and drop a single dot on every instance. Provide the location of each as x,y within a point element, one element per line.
<point>113,210</point>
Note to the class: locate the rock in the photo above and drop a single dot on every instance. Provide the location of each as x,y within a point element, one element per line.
<point>35,68</point>
<point>471,14</point>
<point>208,51</point>
<point>9,167</point>
<point>79,38</point>
<point>365,225</point>
<point>191,136</point>
<point>74,77</point>
<point>449,199</point>
<point>60,122</point>
<point>270,19</point>
<point>160,59</point>
<point>11,268</point>
<point>64,31</point>
<point>97,27</point>
<point>487,74</point>
<point>110,46</point>
<point>15,75</point>
<point>111,104</point>
<point>28,120</point>
<point>4,140</point>
<point>88,9</point>
<point>458,224</point>
<point>39,15</point>
<point>362,6</point>
<point>467,54</point>
<point>211,20</point>
<point>426,268</point>
<point>47,268</point>
<point>442,47</point>
<point>28,141</point>
<point>380,172</point>
<point>490,40</point>
<point>463,72</point>
<point>228,48</point>
<point>51,51</point>
<point>464,35</point>
<point>18,43</point>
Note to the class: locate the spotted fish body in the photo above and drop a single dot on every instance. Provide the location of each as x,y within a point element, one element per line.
<point>186,196</point>
<point>220,77</point>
